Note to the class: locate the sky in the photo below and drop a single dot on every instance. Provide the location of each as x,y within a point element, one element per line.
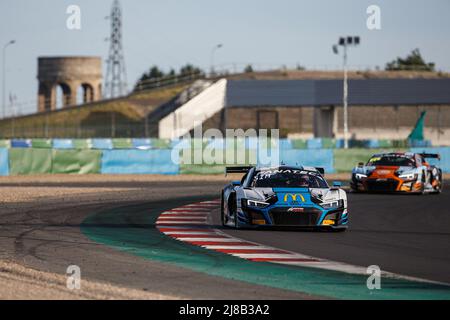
<point>267,34</point>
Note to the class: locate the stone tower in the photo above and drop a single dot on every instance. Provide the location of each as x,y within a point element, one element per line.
<point>76,76</point>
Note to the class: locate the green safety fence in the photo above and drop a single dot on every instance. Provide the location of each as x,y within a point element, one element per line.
<point>5,143</point>
<point>82,143</point>
<point>207,156</point>
<point>328,143</point>
<point>41,143</point>
<point>211,156</point>
<point>23,161</point>
<point>383,143</point>
<point>346,160</point>
<point>202,169</point>
<point>122,143</point>
<point>161,143</point>
<point>299,144</point>
<point>76,161</point>
<point>30,161</point>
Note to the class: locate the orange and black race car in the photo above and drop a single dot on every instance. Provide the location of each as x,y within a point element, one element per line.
<point>398,172</point>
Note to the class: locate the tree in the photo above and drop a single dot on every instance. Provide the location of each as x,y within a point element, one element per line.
<point>248,69</point>
<point>160,78</point>
<point>413,61</point>
<point>189,69</point>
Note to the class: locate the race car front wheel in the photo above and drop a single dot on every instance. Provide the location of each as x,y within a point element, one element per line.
<point>222,211</point>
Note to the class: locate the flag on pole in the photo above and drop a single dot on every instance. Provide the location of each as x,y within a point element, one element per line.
<point>417,133</point>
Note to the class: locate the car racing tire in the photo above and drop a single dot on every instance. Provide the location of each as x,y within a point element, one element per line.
<point>441,184</point>
<point>339,229</point>
<point>222,211</point>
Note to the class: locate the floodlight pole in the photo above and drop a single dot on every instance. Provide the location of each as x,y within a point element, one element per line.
<point>345,98</point>
<point>4,76</point>
<point>213,52</point>
<point>345,42</point>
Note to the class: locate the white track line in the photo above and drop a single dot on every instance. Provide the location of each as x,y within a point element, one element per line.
<point>191,212</point>
<point>165,222</point>
<point>206,239</point>
<point>189,232</point>
<point>231,247</point>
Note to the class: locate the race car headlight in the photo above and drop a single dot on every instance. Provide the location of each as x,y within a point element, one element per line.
<point>408,176</point>
<point>333,204</point>
<point>255,203</point>
<point>360,176</point>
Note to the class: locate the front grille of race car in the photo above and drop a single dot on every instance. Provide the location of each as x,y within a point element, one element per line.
<point>384,185</point>
<point>283,217</point>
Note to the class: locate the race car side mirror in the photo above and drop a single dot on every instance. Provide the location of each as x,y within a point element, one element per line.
<point>337,184</point>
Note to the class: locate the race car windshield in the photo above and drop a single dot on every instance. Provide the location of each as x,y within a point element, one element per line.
<point>391,161</point>
<point>288,179</point>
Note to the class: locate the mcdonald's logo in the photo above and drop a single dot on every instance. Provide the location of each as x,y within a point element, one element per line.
<point>293,196</point>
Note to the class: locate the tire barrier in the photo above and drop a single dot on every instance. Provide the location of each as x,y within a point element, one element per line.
<point>122,143</point>
<point>41,143</point>
<point>5,143</point>
<point>21,143</point>
<point>102,144</point>
<point>159,156</point>
<point>138,162</point>
<point>346,160</point>
<point>23,161</point>
<point>63,144</point>
<point>4,165</point>
<point>314,158</point>
<point>76,161</point>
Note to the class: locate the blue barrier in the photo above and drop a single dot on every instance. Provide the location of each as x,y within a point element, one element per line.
<point>285,144</point>
<point>444,152</point>
<point>4,162</point>
<point>315,158</point>
<point>63,144</point>
<point>419,143</point>
<point>141,143</point>
<point>138,162</point>
<point>314,143</point>
<point>251,143</point>
<point>373,143</point>
<point>102,144</point>
<point>21,143</point>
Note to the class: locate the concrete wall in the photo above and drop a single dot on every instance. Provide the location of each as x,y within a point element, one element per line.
<point>365,122</point>
<point>197,110</point>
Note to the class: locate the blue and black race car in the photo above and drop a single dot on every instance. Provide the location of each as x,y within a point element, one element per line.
<point>283,196</point>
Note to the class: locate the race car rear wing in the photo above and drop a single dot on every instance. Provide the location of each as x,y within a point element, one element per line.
<point>321,170</point>
<point>431,156</point>
<point>237,169</point>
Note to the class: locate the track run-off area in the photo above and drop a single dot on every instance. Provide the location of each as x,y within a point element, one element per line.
<point>165,237</point>
<point>279,261</point>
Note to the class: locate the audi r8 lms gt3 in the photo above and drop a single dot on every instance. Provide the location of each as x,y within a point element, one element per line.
<point>398,172</point>
<point>283,196</point>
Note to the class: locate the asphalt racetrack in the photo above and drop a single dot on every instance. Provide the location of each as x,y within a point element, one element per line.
<point>403,234</point>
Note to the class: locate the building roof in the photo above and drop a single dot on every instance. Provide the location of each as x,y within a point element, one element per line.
<point>253,93</point>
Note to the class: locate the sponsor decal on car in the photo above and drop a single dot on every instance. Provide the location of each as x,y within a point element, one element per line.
<point>294,197</point>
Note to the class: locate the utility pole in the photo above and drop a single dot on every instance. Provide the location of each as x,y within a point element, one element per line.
<point>116,85</point>
<point>346,42</point>
<point>4,77</point>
